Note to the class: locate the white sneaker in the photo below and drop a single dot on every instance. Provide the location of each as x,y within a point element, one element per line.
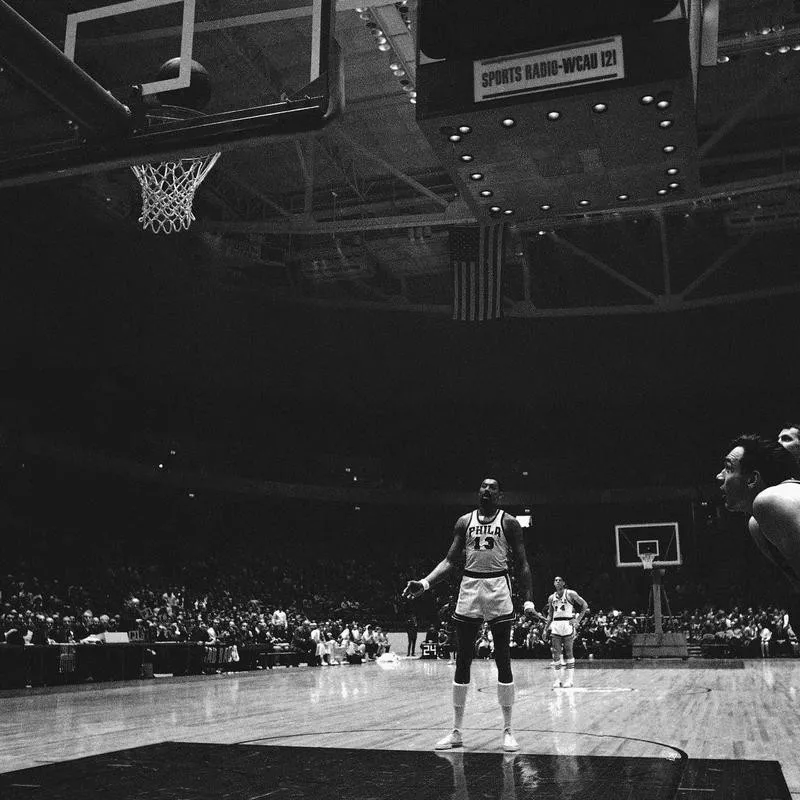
<point>509,742</point>
<point>453,739</point>
<point>557,683</point>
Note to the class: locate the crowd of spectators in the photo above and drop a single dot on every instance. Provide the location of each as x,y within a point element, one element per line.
<point>325,627</point>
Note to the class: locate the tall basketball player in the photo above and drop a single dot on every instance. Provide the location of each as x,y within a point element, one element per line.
<point>565,610</point>
<point>484,538</point>
<point>758,479</point>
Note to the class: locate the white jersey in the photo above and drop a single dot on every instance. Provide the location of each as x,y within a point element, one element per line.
<point>563,609</point>
<point>486,544</point>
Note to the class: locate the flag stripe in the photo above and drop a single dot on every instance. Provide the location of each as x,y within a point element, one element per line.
<point>476,256</point>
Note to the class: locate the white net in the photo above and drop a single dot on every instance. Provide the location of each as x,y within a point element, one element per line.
<point>168,191</point>
<point>647,560</point>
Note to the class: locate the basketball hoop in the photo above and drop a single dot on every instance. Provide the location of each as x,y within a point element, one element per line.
<point>168,188</point>
<point>647,560</point>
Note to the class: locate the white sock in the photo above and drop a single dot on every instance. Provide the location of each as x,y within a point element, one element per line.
<point>505,696</point>
<point>460,691</point>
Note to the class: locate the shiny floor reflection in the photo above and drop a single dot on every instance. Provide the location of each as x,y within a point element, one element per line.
<point>186,771</point>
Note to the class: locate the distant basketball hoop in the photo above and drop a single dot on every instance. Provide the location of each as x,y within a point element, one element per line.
<point>168,187</point>
<point>647,560</point>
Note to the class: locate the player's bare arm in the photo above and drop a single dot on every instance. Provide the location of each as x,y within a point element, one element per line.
<point>577,600</point>
<point>513,533</point>
<point>775,529</point>
<point>445,566</point>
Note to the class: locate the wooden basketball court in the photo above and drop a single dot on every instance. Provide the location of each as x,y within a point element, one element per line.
<point>628,729</point>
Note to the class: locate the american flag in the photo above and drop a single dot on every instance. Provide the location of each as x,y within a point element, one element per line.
<point>476,255</point>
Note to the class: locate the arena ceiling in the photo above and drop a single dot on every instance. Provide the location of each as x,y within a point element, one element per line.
<point>359,213</point>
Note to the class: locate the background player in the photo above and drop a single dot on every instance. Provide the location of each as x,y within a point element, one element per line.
<point>789,437</point>
<point>483,538</point>
<point>563,624</point>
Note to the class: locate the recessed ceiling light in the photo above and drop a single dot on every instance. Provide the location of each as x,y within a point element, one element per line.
<point>476,176</point>
<point>646,99</point>
<point>454,137</point>
<point>784,48</point>
<point>583,202</point>
<point>674,185</point>
<point>509,211</point>
<point>541,233</point>
<point>622,197</point>
<point>486,192</point>
<point>508,122</point>
<point>668,148</point>
<point>553,115</point>
<point>545,207</point>
<point>672,171</point>
<point>723,59</point>
<point>466,157</point>
<point>599,108</point>
<point>665,123</point>
<point>494,209</point>
<point>464,129</point>
<point>662,104</point>
<point>661,191</point>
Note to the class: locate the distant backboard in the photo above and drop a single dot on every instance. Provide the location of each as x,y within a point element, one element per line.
<point>272,68</point>
<point>659,538</point>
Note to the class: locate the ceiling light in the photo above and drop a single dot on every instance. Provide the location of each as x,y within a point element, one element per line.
<point>412,93</point>
<point>486,192</point>
<point>395,65</point>
<point>663,100</point>
<point>384,47</point>
<point>723,59</point>
<point>768,52</point>
<point>661,191</point>
<point>553,115</point>
<point>668,148</point>
<point>464,129</point>
<point>453,137</point>
<point>541,233</point>
<point>381,39</point>
<point>508,122</point>
<point>765,31</point>
<point>412,99</point>
<point>796,47</point>
<point>672,171</point>
<point>622,197</point>
<point>509,211</point>
<point>476,176</point>
<point>583,202</point>
<point>784,48</point>
<point>674,185</point>
<point>466,157</point>
<point>599,108</point>
<point>646,99</point>
<point>546,207</point>
<point>494,209</point>
<point>398,73</point>
<point>665,123</point>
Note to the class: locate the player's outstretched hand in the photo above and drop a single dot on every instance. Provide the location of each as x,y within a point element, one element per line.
<point>413,589</point>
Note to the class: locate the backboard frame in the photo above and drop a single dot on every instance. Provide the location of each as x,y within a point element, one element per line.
<point>646,538</point>
<point>308,110</point>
